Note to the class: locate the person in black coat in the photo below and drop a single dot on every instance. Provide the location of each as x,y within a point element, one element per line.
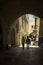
<point>28,41</point>
<point>23,41</point>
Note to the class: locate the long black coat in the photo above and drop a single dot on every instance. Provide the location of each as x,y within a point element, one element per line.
<point>28,41</point>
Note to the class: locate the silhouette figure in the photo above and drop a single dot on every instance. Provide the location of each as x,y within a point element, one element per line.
<point>23,41</point>
<point>28,41</point>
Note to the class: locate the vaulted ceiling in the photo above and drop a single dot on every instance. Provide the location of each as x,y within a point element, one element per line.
<point>12,9</point>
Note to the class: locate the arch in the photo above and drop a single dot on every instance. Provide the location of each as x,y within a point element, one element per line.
<point>14,9</point>
<point>11,35</point>
<point>11,10</point>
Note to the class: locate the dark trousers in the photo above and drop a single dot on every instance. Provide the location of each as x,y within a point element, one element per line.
<point>23,45</point>
<point>27,46</point>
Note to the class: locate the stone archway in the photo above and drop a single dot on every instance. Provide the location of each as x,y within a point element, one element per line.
<point>11,10</point>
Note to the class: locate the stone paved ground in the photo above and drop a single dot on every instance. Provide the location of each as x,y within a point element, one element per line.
<point>18,56</point>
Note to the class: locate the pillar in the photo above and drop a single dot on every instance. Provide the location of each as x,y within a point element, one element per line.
<point>37,23</point>
<point>19,37</point>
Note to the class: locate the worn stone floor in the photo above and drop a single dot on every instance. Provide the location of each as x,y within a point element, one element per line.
<point>20,56</point>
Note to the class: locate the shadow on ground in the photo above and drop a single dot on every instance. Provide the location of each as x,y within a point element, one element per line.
<point>20,56</point>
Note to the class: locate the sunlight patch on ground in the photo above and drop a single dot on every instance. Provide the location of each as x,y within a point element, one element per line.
<point>29,46</point>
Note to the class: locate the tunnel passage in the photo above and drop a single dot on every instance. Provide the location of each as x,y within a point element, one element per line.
<point>11,10</point>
